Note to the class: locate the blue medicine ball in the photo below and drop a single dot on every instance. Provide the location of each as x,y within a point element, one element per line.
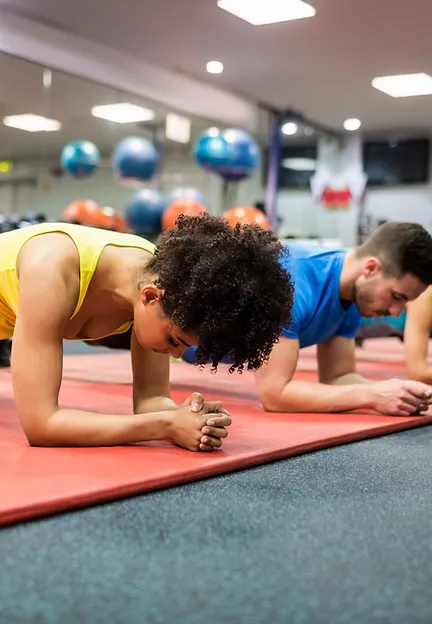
<point>144,211</point>
<point>231,153</point>
<point>135,158</point>
<point>80,158</point>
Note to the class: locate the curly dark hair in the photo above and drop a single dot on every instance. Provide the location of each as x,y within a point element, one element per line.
<point>226,284</point>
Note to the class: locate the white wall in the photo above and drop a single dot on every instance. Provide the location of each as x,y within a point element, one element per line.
<point>338,165</point>
<point>403,203</point>
<point>302,217</point>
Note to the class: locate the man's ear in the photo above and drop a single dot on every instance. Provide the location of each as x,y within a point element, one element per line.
<point>371,267</point>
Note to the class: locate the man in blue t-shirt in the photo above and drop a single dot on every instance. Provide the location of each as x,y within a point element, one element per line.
<point>333,290</point>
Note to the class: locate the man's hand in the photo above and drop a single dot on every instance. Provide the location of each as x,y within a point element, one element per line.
<point>400,397</point>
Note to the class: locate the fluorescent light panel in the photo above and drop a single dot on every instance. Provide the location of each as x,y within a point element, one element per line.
<point>299,164</point>
<point>404,85</point>
<point>259,12</point>
<point>122,112</point>
<point>31,123</point>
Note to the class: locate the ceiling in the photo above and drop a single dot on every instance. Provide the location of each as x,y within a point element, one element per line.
<point>322,66</point>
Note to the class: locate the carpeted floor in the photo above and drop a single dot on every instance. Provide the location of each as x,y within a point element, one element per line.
<point>341,536</point>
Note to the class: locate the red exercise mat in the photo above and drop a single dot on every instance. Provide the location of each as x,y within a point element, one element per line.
<point>35,482</point>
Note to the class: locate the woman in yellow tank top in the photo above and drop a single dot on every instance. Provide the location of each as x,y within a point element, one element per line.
<point>204,284</point>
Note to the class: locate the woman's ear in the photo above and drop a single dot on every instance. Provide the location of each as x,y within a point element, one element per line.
<point>151,294</point>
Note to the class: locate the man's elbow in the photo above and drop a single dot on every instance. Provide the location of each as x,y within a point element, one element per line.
<point>417,373</point>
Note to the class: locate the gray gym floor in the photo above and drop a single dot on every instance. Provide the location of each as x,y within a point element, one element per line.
<point>341,536</point>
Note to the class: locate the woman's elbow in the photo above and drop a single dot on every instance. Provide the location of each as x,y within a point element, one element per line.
<point>39,438</point>
<point>39,434</point>
<point>270,399</point>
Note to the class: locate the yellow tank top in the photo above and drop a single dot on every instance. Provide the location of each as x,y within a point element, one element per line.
<point>89,242</point>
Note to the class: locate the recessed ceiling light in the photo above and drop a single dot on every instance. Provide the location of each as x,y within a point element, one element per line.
<point>214,67</point>
<point>259,12</point>
<point>32,123</point>
<point>404,85</point>
<point>122,113</point>
<point>289,128</point>
<point>352,124</point>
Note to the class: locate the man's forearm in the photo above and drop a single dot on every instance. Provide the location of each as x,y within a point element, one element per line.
<point>306,396</point>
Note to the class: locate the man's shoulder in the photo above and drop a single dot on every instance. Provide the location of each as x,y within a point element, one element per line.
<point>310,250</point>
<point>308,259</point>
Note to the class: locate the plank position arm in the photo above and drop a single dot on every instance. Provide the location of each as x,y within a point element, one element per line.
<point>151,393</point>
<point>340,389</point>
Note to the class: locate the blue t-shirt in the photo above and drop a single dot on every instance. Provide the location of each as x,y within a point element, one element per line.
<point>318,312</point>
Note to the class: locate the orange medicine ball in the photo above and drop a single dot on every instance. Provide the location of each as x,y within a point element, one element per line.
<point>188,207</point>
<point>246,215</point>
<point>82,211</point>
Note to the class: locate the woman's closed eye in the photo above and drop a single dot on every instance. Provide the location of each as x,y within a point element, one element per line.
<point>172,342</point>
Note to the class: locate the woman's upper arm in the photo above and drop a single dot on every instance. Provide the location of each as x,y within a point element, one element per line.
<point>47,298</point>
<point>150,373</point>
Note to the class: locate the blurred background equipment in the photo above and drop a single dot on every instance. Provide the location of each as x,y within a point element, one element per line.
<point>143,212</point>
<point>135,158</point>
<point>80,158</point>
<point>188,207</point>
